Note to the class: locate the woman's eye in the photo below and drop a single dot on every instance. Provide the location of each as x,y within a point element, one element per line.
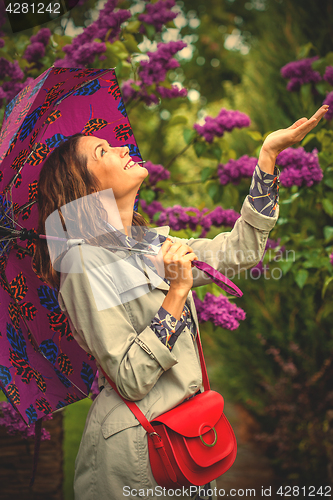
<point>102,151</point>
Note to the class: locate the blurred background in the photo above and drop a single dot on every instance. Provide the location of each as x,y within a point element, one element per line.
<point>203,83</point>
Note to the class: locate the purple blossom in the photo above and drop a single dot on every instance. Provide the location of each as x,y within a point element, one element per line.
<point>329,101</point>
<point>331,258</point>
<point>219,310</point>
<point>155,69</point>
<point>178,217</point>
<point>299,167</point>
<point>171,93</point>
<point>156,173</point>
<point>152,209</point>
<point>299,73</point>
<point>328,76</point>
<point>34,52</point>
<point>158,14</point>
<point>107,28</point>
<point>43,36</point>
<point>2,43</point>
<point>225,121</point>
<point>87,52</point>
<point>10,69</point>
<point>130,93</point>
<point>235,170</point>
<point>14,424</point>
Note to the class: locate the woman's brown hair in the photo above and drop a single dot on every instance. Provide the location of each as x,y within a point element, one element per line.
<point>64,178</point>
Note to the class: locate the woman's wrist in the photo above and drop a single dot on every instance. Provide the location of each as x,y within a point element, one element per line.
<point>267,159</point>
<point>175,300</point>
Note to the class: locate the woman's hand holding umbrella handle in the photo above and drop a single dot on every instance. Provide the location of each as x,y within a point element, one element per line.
<point>177,260</point>
<point>284,138</point>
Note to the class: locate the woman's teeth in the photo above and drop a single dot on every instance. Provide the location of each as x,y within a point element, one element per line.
<point>129,165</point>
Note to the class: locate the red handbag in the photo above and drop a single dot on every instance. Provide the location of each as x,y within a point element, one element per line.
<point>193,443</point>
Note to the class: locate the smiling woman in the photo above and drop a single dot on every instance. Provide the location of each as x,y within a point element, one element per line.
<point>140,327</point>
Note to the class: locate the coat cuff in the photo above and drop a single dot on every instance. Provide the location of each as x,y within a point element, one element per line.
<point>257,220</point>
<point>151,344</point>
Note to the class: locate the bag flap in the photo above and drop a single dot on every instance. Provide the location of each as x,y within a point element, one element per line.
<point>213,446</point>
<point>188,418</point>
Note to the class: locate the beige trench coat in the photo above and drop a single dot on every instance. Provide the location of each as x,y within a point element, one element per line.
<point>110,314</point>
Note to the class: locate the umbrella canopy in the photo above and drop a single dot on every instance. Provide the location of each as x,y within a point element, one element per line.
<point>42,368</point>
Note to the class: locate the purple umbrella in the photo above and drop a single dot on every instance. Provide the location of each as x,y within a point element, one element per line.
<point>42,368</point>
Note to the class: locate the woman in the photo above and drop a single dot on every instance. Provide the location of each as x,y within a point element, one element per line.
<point>142,337</point>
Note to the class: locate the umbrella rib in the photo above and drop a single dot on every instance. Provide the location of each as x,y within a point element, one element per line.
<point>83,84</point>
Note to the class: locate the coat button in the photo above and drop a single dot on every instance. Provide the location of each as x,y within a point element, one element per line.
<point>173,323</point>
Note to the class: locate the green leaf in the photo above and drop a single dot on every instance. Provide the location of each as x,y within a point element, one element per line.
<point>305,50</point>
<point>130,43</point>
<point>206,173</point>
<point>156,216</point>
<point>327,281</point>
<point>133,26</point>
<point>327,206</point>
<point>328,233</point>
<point>189,135</point>
<point>212,190</point>
<point>328,180</point>
<point>200,148</point>
<point>201,291</point>
<point>147,195</point>
<point>216,151</point>
<point>301,277</point>
<point>306,94</point>
<point>285,265</point>
<point>177,120</point>
<point>291,199</point>
<point>255,135</point>
<point>307,139</point>
<point>150,30</point>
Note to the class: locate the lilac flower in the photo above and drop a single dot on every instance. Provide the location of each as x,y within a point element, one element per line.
<point>34,52</point>
<point>157,14</point>
<point>299,73</point>
<point>2,43</point>
<point>130,93</point>
<point>156,173</point>
<point>43,36</point>
<point>328,76</point>
<point>219,310</point>
<point>329,101</point>
<point>226,121</point>
<point>14,423</point>
<point>107,28</point>
<point>171,93</point>
<point>235,170</point>
<point>160,61</point>
<point>331,258</point>
<point>152,208</point>
<point>178,217</point>
<point>299,167</point>
<point>87,52</point>
<point>10,69</point>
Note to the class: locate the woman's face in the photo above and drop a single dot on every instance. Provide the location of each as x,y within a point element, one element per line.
<point>113,167</point>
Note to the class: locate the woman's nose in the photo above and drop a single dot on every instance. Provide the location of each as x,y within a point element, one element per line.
<point>123,151</point>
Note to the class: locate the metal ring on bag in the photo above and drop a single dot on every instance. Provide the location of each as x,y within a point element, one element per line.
<point>215,439</point>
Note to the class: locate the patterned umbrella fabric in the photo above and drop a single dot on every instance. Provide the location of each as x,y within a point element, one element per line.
<point>42,368</point>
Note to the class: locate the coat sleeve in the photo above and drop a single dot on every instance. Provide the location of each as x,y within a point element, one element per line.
<point>236,250</point>
<point>133,360</point>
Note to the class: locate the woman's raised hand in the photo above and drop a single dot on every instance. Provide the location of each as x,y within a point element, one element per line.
<point>281,139</point>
